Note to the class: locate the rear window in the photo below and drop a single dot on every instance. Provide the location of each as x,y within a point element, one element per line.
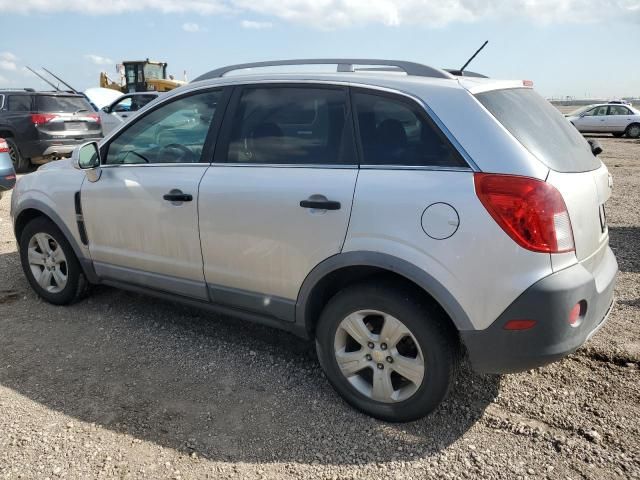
<point>56,103</point>
<point>541,129</point>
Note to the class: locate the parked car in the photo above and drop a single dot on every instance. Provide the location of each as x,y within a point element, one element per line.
<point>123,108</point>
<point>44,126</point>
<point>400,221</point>
<point>7,173</point>
<point>614,118</point>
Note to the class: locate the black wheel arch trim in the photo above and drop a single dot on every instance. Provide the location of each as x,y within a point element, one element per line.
<point>386,262</point>
<point>46,210</point>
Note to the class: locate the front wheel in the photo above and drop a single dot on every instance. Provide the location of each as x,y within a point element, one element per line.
<point>633,130</point>
<point>49,263</point>
<point>386,353</point>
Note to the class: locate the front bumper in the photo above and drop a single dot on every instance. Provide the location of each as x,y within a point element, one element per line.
<point>548,302</point>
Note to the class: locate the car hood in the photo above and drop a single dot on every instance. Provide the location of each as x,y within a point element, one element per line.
<point>57,164</point>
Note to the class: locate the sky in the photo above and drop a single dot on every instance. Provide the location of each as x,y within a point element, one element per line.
<point>580,48</point>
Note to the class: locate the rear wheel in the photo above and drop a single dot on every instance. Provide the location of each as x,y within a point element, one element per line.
<point>388,354</point>
<point>633,130</point>
<point>20,164</point>
<point>49,263</point>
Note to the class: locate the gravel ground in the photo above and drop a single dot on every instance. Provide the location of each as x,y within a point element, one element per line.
<point>124,386</point>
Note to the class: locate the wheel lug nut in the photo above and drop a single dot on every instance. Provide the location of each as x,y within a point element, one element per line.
<point>383,346</point>
<point>380,366</point>
<point>370,345</point>
<point>368,357</point>
<point>389,359</point>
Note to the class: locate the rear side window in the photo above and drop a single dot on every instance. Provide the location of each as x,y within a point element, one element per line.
<point>541,129</point>
<point>397,132</point>
<point>292,126</point>
<point>58,103</point>
<point>618,110</point>
<point>19,103</point>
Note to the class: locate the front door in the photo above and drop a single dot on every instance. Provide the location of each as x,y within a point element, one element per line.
<point>277,200</point>
<point>593,120</point>
<point>141,215</point>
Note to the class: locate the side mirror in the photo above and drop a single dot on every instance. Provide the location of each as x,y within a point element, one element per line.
<point>596,149</point>
<point>87,157</point>
<point>106,109</point>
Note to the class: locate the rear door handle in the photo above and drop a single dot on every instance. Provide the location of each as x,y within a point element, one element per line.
<point>177,196</point>
<point>320,203</point>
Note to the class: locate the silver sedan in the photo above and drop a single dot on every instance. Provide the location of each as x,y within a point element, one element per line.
<point>617,119</point>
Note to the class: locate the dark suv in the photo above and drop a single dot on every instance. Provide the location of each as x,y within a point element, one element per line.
<point>44,126</point>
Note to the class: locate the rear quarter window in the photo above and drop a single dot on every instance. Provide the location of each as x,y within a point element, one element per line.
<point>541,129</point>
<point>19,103</point>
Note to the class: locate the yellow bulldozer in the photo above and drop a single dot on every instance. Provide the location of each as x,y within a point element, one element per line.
<point>140,76</point>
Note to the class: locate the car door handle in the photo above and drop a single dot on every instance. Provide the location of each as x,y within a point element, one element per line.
<point>177,196</point>
<point>320,204</point>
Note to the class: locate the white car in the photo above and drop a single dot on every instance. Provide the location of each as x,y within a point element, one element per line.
<point>118,112</point>
<point>614,118</point>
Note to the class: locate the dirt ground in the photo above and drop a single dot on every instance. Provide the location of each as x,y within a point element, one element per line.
<point>125,386</point>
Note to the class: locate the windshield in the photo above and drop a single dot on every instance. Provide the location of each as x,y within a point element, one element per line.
<point>59,103</point>
<point>541,129</point>
<point>153,72</point>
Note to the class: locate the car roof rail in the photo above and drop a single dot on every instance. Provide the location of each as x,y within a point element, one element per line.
<point>344,65</point>
<point>17,89</point>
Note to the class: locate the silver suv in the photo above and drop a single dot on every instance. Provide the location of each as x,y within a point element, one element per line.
<point>400,215</point>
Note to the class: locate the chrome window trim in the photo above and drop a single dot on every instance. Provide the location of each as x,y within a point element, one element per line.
<point>176,164</point>
<point>416,167</point>
<point>285,165</point>
<point>1,101</point>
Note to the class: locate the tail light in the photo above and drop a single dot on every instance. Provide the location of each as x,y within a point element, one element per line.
<point>42,118</point>
<point>4,146</point>
<point>530,211</point>
<point>95,117</point>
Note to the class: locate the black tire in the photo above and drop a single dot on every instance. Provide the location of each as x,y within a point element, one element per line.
<point>20,164</point>
<point>76,283</point>
<point>438,344</point>
<point>633,130</point>
<point>617,134</point>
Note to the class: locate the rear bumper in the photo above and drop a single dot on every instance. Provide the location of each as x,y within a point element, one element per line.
<point>548,302</point>
<point>59,147</point>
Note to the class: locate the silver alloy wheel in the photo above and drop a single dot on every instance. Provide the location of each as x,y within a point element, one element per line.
<point>634,131</point>
<point>379,356</point>
<point>47,262</point>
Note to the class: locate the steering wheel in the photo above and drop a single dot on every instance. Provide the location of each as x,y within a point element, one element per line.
<point>186,157</point>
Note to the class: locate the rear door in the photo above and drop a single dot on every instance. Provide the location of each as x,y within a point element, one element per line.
<point>618,117</point>
<point>277,200</point>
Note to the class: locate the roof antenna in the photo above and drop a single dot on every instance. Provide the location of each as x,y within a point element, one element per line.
<point>42,78</point>
<point>460,72</point>
<point>61,81</point>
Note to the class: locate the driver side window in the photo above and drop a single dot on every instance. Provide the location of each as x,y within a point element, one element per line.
<point>174,133</point>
